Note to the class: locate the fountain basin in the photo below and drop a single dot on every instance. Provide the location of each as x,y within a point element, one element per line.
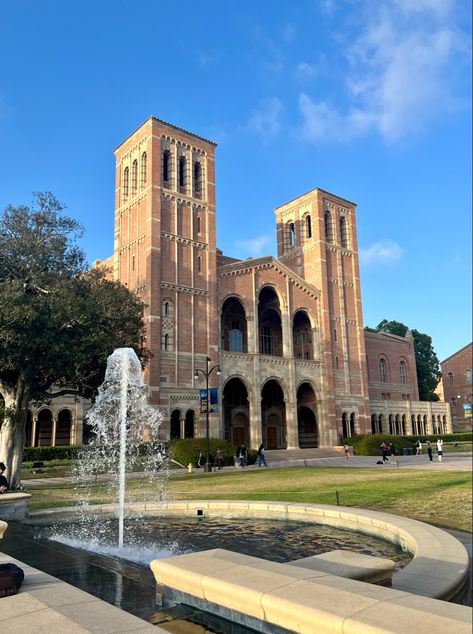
<point>14,506</point>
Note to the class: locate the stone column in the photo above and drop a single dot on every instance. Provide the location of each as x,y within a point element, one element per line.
<point>182,425</point>
<point>291,425</point>
<point>256,423</point>
<point>34,421</point>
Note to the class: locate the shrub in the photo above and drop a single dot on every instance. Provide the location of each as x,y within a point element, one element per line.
<point>36,454</point>
<point>186,450</point>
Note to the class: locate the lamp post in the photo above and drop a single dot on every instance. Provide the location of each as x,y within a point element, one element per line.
<point>207,373</point>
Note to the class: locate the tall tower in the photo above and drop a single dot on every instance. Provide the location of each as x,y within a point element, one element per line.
<point>316,236</point>
<point>165,251</point>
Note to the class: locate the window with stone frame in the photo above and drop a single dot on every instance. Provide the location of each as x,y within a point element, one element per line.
<point>166,167</point>
<point>197,180</point>
<point>328,226</point>
<point>382,371</point>
<point>402,372</point>
<point>126,182</point>
<point>134,176</point>
<point>182,174</point>
<point>343,232</point>
<point>143,169</point>
<point>308,227</point>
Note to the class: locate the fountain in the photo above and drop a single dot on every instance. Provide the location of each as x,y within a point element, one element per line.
<point>125,432</point>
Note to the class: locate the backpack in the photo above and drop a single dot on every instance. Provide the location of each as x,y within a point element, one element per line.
<point>11,578</point>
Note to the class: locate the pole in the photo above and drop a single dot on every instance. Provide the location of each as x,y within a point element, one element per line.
<point>207,461</point>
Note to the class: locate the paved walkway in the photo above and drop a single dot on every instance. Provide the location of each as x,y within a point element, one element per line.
<point>451,462</point>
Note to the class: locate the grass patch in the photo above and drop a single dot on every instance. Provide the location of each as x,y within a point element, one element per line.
<point>442,499</point>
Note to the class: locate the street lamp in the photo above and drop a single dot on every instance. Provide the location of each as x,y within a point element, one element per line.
<point>207,373</point>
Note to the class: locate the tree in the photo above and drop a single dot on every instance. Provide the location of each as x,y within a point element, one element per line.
<point>59,320</point>
<point>427,362</point>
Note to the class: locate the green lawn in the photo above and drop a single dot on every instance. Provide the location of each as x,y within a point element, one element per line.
<point>441,498</point>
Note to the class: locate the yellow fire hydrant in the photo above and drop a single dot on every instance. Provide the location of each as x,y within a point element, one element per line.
<point>189,467</point>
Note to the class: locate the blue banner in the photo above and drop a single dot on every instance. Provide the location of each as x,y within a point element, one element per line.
<point>204,401</point>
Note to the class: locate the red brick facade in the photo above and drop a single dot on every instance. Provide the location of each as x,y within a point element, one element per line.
<point>287,332</point>
<point>457,388</point>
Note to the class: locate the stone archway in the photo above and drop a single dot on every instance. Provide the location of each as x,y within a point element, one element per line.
<point>44,428</point>
<point>236,411</point>
<point>189,424</point>
<point>307,417</point>
<point>273,416</point>
<point>175,430</point>
<point>63,427</point>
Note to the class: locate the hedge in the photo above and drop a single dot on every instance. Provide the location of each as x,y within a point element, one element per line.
<point>368,444</point>
<point>186,451</point>
<point>34,454</point>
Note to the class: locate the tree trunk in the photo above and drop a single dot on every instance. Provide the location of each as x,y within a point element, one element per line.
<point>12,432</point>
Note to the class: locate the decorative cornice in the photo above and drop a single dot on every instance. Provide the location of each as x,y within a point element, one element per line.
<point>132,243</point>
<point>187,241</point>
<point>184,289</point>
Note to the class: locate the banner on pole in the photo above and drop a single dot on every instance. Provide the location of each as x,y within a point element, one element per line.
<point>467,410</point>
<point>204,400</point>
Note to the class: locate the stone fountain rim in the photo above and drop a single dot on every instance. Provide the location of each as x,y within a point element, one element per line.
<point>439,567</point>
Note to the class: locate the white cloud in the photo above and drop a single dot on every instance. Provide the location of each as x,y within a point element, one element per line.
<point>399,75</point>
<point>305,70</point>
<point>255,246</point>
<point>327,6</point>
<point>267,119</point>
<point>288,33</point>
<point>382,252</point>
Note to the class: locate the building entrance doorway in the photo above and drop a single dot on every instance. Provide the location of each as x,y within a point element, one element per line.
<point>273,415</point>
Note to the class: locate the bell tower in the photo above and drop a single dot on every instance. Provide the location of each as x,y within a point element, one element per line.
<point>316,237</point>
<point>165,250</point>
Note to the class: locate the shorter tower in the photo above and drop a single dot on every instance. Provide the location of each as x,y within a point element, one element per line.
<point>316,237</point>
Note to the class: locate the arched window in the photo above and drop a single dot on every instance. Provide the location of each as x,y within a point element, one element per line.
<point>290,235</point>
<point>328,226</point>
<point>182,171</point>
<point>166,310</point>
<point>197,180</point>
<point>382,370</point>
<point>198,224</point>
<point>144,168</point>
<point>402,372</point>
<point>166,165</point>
<point>199,264</point>
<point>166,342</point>
<point>308,226</point>
<point>126,181</point>
<point>343,232</point>
<point>336,362</point>
<point>450,378</point>
<point>468,377</point>
<point>335,334</point>
<point>134,176</point>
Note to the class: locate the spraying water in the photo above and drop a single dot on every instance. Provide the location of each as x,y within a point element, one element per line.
<point>125,431</point>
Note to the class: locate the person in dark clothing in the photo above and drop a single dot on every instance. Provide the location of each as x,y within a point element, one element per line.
<point>3,480</point>
<point>261,458</point>
<point>429,450</point>
<point>384,449</point>
<point>392,453</point>
<point>241,456</point>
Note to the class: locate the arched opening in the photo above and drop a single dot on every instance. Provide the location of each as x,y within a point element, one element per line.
<point>175,424</point>
<point>166,166</point>
<point>134,176</point>
<point>402,372</point>
<point>302,336</point>
<point>307,417</point>
<point>444,424</point>
<point>375,424</point>
<point>397,424</point>
<point>328,226</point>
<point>419,424</point>
<point>236,412</point>
<point>381,424</point>
<point>382,370</point>
<point>44,428</point>
<point>403,425</point>
<point>197,180</point>
<point>126,182</point>
<point>413,425</point>
<point>269,321</point>
<point>353,423</point>
<point>189,424</point>
<point>308,226</point>
<point>273,415</point>
<point>424,424</point>
<point>343,232</point>
<point>392,429</point>
<point>346,431</point>
<point>143,169</point>
<point>182,173</point>
<point>233,326</point>
<point>63,427</point>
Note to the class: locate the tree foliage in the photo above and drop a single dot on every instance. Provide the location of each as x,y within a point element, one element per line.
<point>427,362</point>
<point>59,320</point>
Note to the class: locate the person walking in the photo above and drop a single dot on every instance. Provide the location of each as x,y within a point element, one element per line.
<point>440,449</point>
<point>241,456</point>
<point>392,453</point>
<point>261,457</point>
<point>429,450</point>
<point>418,447</point>
<point>219,458</point>
<point>346,449</point>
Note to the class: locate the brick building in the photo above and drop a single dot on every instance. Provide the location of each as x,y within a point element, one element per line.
<point>297,368</point>
<point>287,332</point>
<point>457,386</point>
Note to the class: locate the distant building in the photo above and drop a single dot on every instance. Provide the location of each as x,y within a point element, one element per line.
<point>457,386</point>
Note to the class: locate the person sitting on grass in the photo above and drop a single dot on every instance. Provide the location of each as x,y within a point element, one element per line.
<point>3,480</point>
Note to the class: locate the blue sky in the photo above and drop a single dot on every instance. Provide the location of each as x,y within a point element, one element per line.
<point>368,99</point>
